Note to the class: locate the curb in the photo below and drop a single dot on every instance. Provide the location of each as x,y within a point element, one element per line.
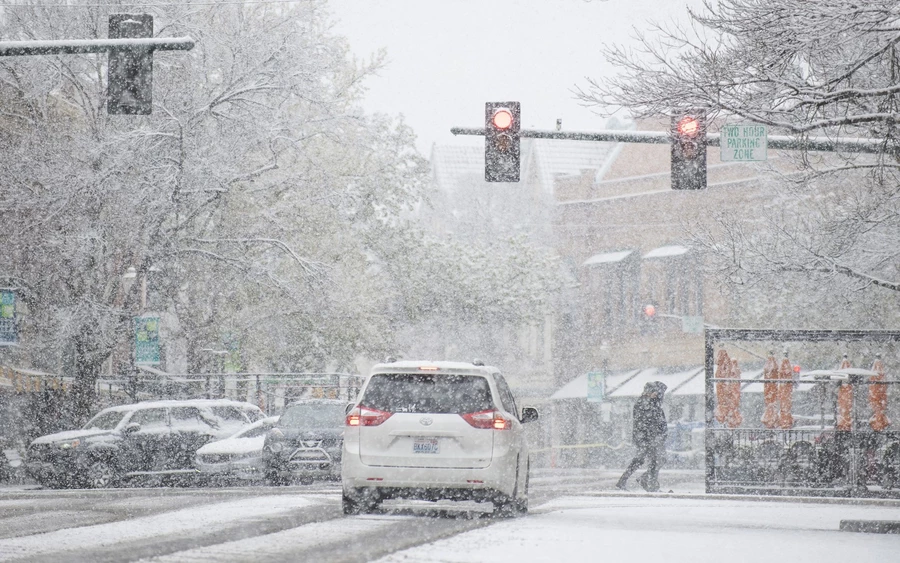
<point>871,526</point>
<point>750,498</point>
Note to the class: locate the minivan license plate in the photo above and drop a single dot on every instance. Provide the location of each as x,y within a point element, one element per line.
<point>426,446</point>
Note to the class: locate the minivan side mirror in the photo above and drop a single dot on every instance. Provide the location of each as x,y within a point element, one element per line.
<point>529,414</point>
<point>132,427</point>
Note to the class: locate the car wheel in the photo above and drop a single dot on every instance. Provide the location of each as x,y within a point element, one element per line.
<point>522,503</point>
<point>273,479</point>
<point>100,475</point>
<point>509,506</point>
<point>364,502</point>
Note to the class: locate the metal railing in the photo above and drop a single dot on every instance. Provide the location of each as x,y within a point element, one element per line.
<point>852,461</point>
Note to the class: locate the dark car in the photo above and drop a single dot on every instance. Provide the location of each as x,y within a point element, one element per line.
<point>143,439</point>
<point>306,443</point>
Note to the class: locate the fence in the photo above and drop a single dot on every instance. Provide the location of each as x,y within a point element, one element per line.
<point>827,459</point>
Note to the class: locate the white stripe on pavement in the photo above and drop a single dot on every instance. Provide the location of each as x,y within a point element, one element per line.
<point>284,543</point>
<point>206,518</point>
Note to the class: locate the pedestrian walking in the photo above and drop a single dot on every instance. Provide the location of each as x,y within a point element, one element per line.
<point>648,435</point>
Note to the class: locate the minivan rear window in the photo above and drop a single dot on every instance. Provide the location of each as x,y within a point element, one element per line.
<point>428,393</point>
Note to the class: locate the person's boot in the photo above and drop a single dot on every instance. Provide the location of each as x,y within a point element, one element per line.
<point>621,484</point>
<point>643,482</point>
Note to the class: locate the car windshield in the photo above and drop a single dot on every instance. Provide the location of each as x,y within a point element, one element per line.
<point>441,394</point>
<point>106,420</point>
<point>313,416</point>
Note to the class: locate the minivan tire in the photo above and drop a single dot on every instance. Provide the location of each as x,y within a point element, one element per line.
<point>359,503</point>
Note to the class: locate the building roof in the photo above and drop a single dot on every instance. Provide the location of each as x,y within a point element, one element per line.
<point>555,158</point>
<point>550,159</point>
<point>452,164</point>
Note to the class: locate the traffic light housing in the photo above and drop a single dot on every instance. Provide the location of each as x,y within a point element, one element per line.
<point>501,141</point>
<point>130,81</point>
<point>648,319</point>
<point>689,150</point>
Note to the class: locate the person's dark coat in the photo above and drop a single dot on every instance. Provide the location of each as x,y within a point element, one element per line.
<point>648,416</point>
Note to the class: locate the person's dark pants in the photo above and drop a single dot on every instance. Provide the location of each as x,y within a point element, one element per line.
<point>649,480</point>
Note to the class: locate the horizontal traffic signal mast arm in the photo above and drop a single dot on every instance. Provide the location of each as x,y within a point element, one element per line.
<point>76,46</point>
<point>823,144</point>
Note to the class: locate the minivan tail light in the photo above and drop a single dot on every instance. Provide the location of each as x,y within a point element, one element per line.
<point>489,419</point>
<point>364,416</point>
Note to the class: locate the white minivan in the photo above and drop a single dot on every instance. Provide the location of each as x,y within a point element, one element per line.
<point>432,431</point>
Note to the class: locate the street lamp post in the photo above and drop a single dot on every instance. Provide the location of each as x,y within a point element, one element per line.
<point>220,355</point>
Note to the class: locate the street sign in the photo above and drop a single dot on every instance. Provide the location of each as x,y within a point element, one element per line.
<point>146,341</point>
<point>693,325</point>
<point>743,143</point>
<point>596,386</point>
<point>8,334</point>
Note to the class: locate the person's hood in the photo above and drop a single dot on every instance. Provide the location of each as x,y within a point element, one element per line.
<point>660,388</point>
<point>70,435</point>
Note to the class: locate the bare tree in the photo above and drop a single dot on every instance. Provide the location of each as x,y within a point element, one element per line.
<point>258,196</point>
<point>829,68</point>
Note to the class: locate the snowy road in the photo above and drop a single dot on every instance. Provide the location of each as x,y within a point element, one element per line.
<point>573,515</point>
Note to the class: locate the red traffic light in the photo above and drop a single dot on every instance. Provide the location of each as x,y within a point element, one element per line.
<point>502,119</point>
<point>649,311</point>
<point>688,126</point>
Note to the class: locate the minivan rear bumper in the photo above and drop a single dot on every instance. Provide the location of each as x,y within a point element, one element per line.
<point>406,481</point>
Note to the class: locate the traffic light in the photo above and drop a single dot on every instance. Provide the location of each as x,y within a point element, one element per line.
<point>130,88</point>
<point>501,141</point>
<point>648,319</point>
<point>689,150</point>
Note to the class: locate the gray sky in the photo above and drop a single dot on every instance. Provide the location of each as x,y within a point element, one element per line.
<point>445,59</point>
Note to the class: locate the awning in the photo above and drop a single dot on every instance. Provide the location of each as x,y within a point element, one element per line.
<point>577,388</point>
<point>694,383</point>
<point>28,380</point>
<point>688,383</point>
<point>607,258</point>
<point>674,382</point>
<point>666,251</point>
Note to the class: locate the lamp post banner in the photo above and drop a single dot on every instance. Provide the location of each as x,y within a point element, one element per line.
<point>8,333</point>
<point>146,341</point>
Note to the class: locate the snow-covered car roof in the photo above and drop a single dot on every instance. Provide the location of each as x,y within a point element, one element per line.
<point>200,403</point>
<point>422,366</point>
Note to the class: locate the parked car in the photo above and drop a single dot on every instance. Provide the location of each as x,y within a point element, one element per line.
<point>436,430</point>
<point>238,457</point>
<point>149,438</point>
<point>306,443</point>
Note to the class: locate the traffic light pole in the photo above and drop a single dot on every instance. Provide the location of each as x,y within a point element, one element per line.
<point>823,144</point>
<point>129,48</point>
<point>77,46</point>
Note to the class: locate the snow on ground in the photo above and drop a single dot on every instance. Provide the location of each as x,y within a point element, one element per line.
<point>177,523</point>
<point>670,530</point>
<point>278,545</point>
